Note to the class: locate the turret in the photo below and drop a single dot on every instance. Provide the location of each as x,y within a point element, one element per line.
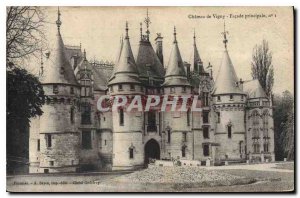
<point>229,102</point>
<point>57,140</point>
<point>127,125</point>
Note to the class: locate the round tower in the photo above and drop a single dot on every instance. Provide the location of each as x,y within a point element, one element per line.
<point>127,125</point>
<point>177,124</point>
<point>229,108</point>
<point>58,129</point>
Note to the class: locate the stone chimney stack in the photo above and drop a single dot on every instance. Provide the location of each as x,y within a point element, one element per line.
<point>159,47</point>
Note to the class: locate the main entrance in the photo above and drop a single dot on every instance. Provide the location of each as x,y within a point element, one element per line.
<point>152,150</point>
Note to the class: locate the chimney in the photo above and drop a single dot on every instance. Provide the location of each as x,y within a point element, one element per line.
<point>159,47</point>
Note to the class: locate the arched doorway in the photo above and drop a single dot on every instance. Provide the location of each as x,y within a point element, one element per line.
<point>152,150</point>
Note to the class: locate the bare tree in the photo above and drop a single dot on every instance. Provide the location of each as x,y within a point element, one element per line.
<point>262,68</point>
<point>24,33</point>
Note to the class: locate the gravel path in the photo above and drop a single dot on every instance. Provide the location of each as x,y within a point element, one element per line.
<point>176,175</point>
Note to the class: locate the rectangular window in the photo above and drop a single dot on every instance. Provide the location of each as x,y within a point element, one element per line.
<point>38,145</point>
<point>72,90</point>
<point>184,136</point>
<point>72,116</point>
<point>205,116</point>
<point>130,153</point>
<point>121,117</point>
<point>205,132</point>
<point>111,89</point>
<point>132,87</point>
<point>188,117</point>
<point>55,89</point>
<point>169,136</point>
<point>49,140</point>
<point>183,149</point>
<point>86,140</point>
<point>151,121</point>
<point>242,97</point>
<point>105,142</point>
<point>172,90</point>
<point>51,163</point>
<point>219,98</point>
<point>218,117</point>
<point>85,113</point>
<point>231,97</point>
<point>120,87</point>
<point>206,150</point>
<point>183,89</point>
<point>229,131</point>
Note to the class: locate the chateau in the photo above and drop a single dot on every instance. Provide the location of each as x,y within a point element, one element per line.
<point>235,123</point>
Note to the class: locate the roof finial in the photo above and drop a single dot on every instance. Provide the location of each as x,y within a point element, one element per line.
<point>175,40</point>
<point>194,37</point>
<point>225,41</point>
<point>126,29</point>
<point>141,30</point>
<point>58,21</point>
<point>84,54</point>
<point>147,22</point>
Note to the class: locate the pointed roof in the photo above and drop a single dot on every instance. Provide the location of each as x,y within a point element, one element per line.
<point>227,80</point>
<point>125,70</point>
<point>175,72</point>
<point>254,89</point>
<point>57,67</point>
<point>195,58</point>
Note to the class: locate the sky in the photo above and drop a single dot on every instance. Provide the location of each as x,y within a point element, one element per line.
<point>99,29</point>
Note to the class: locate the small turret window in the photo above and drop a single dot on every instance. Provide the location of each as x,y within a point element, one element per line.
<point>242,97</point>
<point>219,98</point>
<point>55,89</point>
<point>72,118</point>
<point>184,137</point>
<point>183,151</point>
<point>188,118</point>
<point>169,135</point>
<point>231,97</point>
<point>38,145</point>
<point>132,87</point>
<point>72,90</point>
<point>172,90</point>
<point>49,140</point>
<point>218,117</point>
<point>120,87</point>
<point>183,89</point>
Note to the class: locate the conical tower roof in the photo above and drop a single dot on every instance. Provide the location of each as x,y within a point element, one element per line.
<point>125,70</point>
<point>57,67</point>
<point>227,81</point>
<point>254,89</point>
<point>175,73</point>
<point>195,58</point>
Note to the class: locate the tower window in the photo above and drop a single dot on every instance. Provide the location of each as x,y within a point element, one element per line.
<point>219,98</point>
<point>72,90</point>
<point>229,128</point>
<point>38,145</point>
<point>183,151</point>
<point>151,121</point>
<point>231,97</point>
<point>51,163</point>
<point>184,135</point>
<point>172,90</point>
<point>86,139</point>
<point>266,147</point>
<point>218,117</point>
<point>49,140</point>
<point>242,97</point>
<point>205,132</point>
<point>205,117</point>
<point>188,118</point>
<point>120,87</point>
<point>132,87</point>
<point>105,142</point>
<point>111,89</point>
<point>85,113</point>
<point>183,89</point>
<point>131,153</point>
<point>121,117</point>
<point>55,89</point>
<point>206,150</point>
<point>72,115</point>
<point>169,136</point>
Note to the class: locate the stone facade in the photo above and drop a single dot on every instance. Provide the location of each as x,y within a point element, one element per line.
<point>235,123</point>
